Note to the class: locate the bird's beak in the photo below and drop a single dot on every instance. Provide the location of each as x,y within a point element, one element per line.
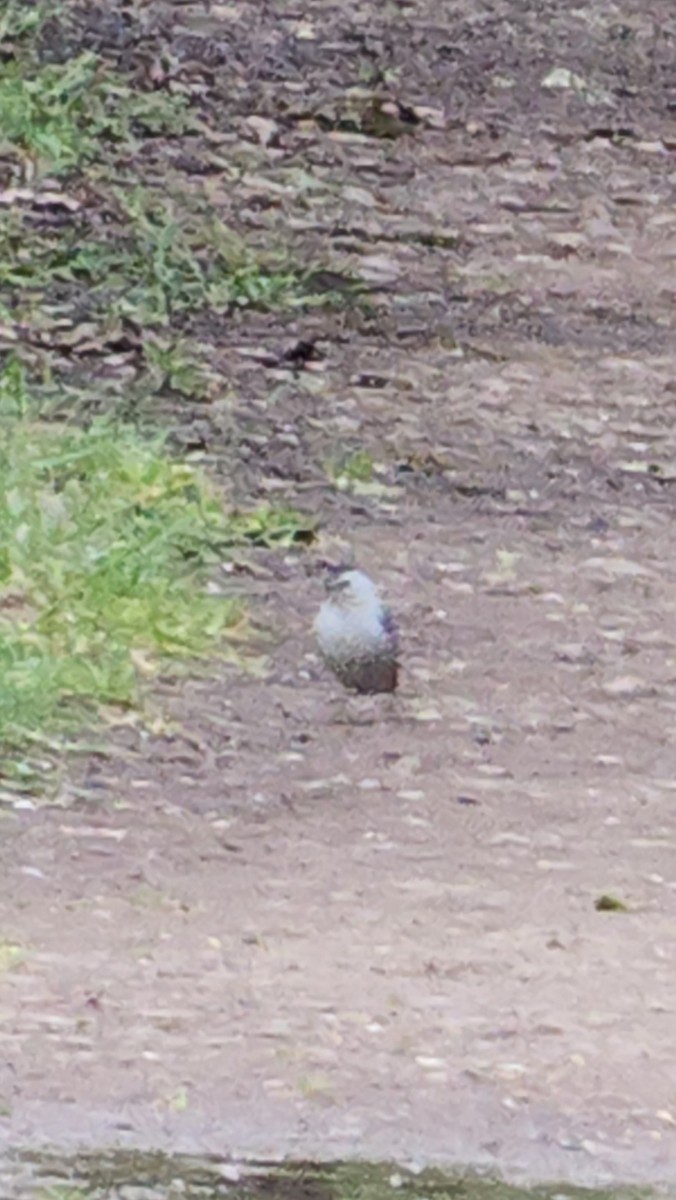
<point>335,583</point>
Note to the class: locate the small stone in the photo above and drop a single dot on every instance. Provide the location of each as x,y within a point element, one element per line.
<point>428,714</point>
<point>625,686</point>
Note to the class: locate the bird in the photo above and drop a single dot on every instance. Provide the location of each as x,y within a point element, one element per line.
<point>357,634</point>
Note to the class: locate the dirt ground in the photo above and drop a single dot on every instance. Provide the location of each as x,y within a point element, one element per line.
<point>292,926</point>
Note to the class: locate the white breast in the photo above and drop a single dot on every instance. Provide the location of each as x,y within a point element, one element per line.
<point>353,633</point>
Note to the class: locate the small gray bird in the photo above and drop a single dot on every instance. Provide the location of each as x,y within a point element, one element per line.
<point>356,633</point>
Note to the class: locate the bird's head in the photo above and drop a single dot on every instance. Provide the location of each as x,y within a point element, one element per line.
<point>350,589</point>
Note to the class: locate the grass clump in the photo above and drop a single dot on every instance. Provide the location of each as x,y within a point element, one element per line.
<point>61,115</point>
<point>104,541</point>
<point>271,527</point>
<point>156,261</point>
<point>357,467</point>
<point>178,258</point>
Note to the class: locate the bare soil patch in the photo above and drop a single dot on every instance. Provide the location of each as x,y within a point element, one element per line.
<point>285,928</point>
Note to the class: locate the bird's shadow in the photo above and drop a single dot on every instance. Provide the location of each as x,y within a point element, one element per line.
<point>367,710</point>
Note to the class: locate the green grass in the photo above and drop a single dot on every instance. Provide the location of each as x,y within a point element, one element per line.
<point>155,259</point>
<point>103,544</point>
<point>108,548</point>
<point>107,244</point>
<point>173,255</point>
<point>139,242</point>
<point>107,544</point>
<point>176,366</point>
<point>58,116</point>
<point>356,467</point>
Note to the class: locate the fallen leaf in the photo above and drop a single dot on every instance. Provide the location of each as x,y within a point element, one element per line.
<point>608,903</point>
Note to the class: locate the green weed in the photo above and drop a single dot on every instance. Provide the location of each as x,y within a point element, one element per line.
<point>17,20</point>
<point>352,468</point>
<point>57,116</point>
<point>174,365</point>
<point>270,527</point>
<point>180,259</point>
<point>155,260</point>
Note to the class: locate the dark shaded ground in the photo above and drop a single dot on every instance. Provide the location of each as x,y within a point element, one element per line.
<point>270,931</point>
